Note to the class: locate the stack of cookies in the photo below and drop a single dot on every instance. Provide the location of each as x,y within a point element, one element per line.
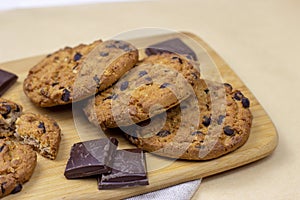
<point>159,102</point>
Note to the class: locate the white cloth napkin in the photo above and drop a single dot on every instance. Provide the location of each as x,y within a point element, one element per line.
<point>184,191</point>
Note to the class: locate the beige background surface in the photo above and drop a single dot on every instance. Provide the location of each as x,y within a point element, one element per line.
<point>259,40</point>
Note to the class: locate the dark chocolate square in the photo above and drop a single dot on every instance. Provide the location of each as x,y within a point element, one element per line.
<point>174,45</point>
<point>7,79</point>
<point>128,169</point>
<point>90,158</point>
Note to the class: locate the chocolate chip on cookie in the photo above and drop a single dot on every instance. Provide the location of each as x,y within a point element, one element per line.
<point>9,112</point>
<point>216,134</point>
<point>156,80</point>
<point>72,74</point>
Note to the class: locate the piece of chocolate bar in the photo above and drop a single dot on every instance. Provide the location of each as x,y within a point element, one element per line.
<point>90,158</point>
<point>175,45</point>
<point>128,169</point>
<point>7,79</point>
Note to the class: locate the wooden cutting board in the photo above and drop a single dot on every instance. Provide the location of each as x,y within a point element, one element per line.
<point>48,181</point>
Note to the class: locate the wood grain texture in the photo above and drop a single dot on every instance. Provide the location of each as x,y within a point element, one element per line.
<point>48,181</point>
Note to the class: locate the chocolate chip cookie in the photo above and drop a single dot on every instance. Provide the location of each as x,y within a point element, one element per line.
<point>9,112</point>
<point>223,124</point>
<point>72,74</point>
<point>40,132</point>
<point>17,163</point>
<point>157,83</point>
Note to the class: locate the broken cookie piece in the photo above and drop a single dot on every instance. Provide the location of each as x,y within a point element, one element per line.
<point>40,132</point>
<point>17,163</point>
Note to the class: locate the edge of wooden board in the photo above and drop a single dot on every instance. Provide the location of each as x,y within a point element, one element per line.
<point>190,170</point>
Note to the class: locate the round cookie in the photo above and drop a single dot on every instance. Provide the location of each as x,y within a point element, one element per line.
<point>156,84</point>
<point>9,112</point>
<point>40,132</point>
<point>224,125</point>
<point>17,163</point>
<point>72,74</point>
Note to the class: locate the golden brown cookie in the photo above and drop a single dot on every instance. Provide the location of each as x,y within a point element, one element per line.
<point>157,83</point>
<point>17,163</point>
<point>72,74</point>
<point>223,124</point>
<point>39,131</point>
<point>9,112</point>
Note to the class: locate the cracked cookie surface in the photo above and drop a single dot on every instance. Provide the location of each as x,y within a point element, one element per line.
<point>224,122</point>
<point>72,74</point>
<point>157,83</point>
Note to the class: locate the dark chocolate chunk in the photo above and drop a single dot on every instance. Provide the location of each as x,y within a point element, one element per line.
<point>227,85</point>
<point>148,79</point>
<point>124,86</point>
<point>206,121</point>
<point>17,189</point>
<point>245,102</point>
<point>66,95</point>
<point>163,133</point>
<point>195,76</point>
<point>96,79</point>
<point>111,46</point>
<point>90,158</point>
<point>2,187</point>
<point>206,91</point>
<point>43,92</point>
<point>54,84</point>
<point>6,112</point>
<point>220,119</point>
<point>180,60</point>
<point>75,66</point>
<point>145,122</point>
<point>17,108</point>
<point>197,132</point>
<point>142,73</point>
<point>177,58</point>
<point>7,79</point>
<point>128,170</point>
<point>113,97</point>
<point>77,57</point>
<point>238,95</point>
<point>42,126</point>
<point>104,54</point>
<point>228,130</point>
<point>125,47</point>
<point>175,45</point>
<point>164,85</point>
<point>1,148</point>
<point>55,124</point>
